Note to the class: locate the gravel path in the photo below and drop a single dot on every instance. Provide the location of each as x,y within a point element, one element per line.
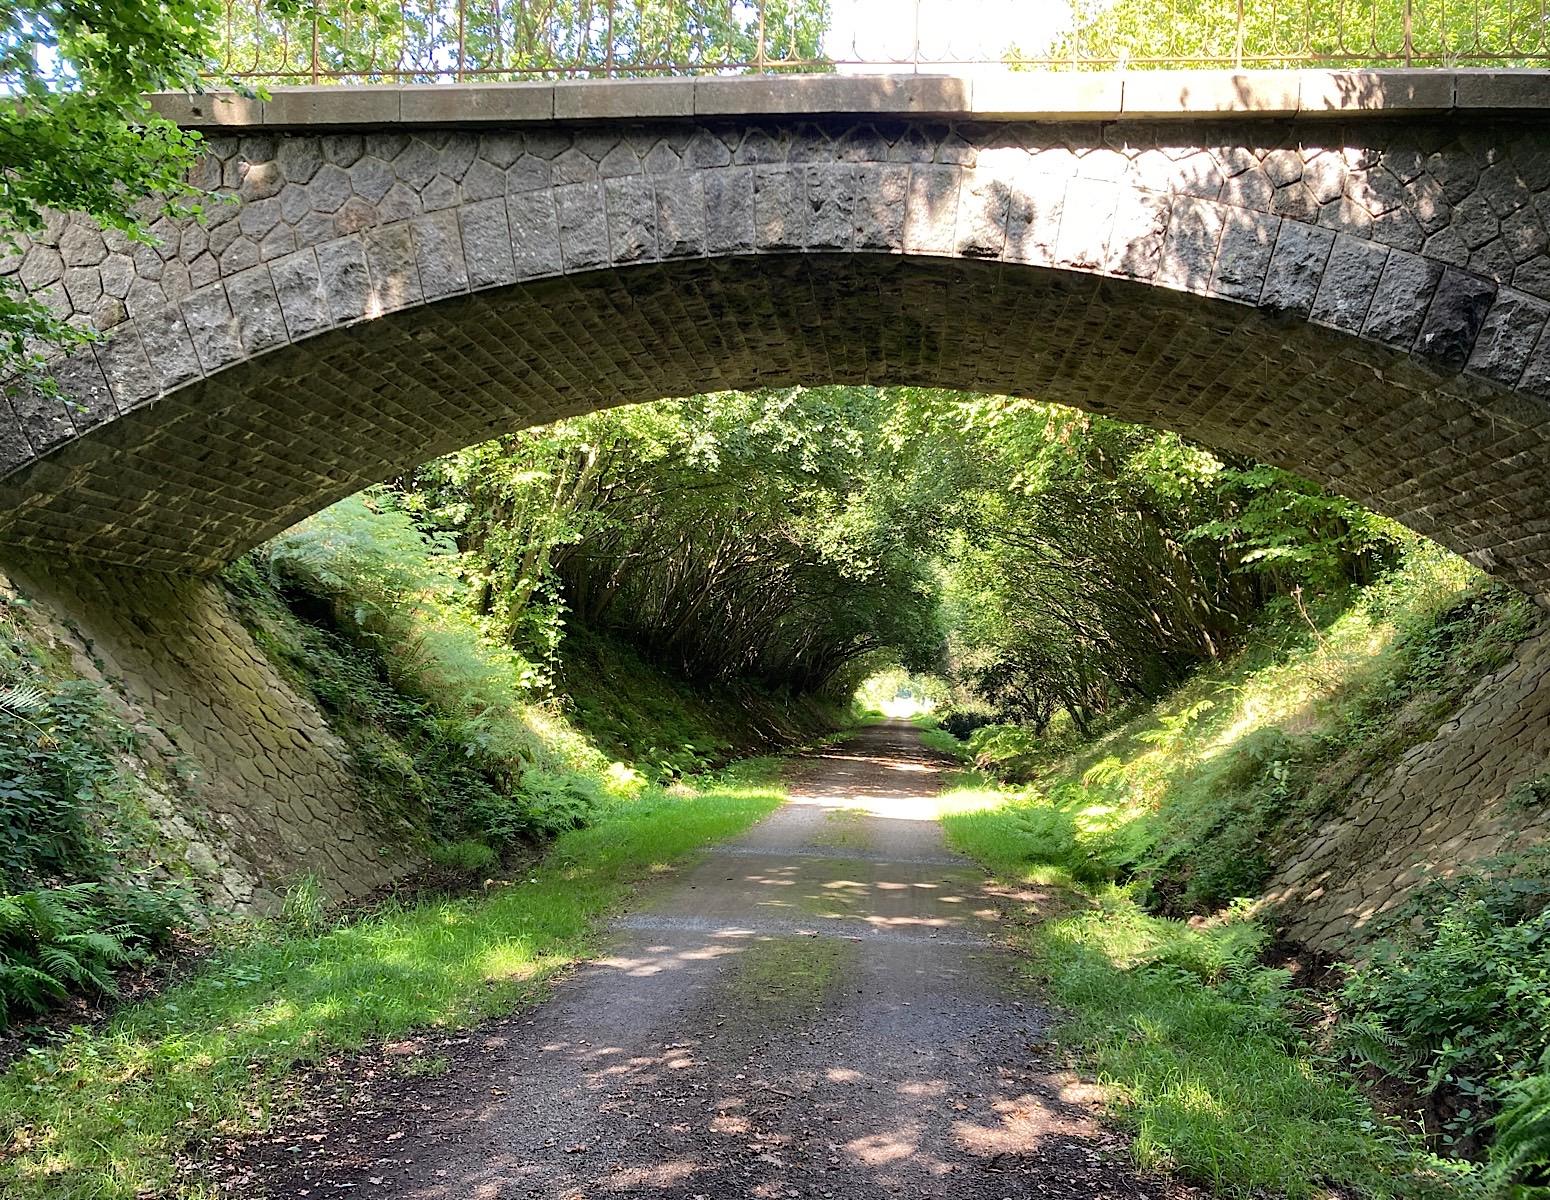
<point>819,1009</point>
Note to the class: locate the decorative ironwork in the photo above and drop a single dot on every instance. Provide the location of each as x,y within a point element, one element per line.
<point>430,41</point>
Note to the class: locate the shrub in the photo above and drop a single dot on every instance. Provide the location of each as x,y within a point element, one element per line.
<point>1458,1005</point>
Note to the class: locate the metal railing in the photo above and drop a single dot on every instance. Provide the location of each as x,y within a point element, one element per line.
<point>365,41</point>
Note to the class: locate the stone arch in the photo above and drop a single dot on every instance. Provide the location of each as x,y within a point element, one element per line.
<point>1365,303</point>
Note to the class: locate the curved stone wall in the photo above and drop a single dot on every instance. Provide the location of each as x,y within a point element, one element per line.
<point>1363,301</point>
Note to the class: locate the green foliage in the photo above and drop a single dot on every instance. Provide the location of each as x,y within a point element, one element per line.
<point>466,857</point>
<point>1342,33</point>
<point>441,733</point>
<point>942,742</point>
<point>1458,1004</point>
<point>103,1114</point>
<point>443,720</point>
<point>1531,793</point>
<point>361,38</point>
<point>1199,796</point>
<point>81,892</point>
<point>83,138</point>
<point>666,726</point>
<point>1095,564</point>
<point>58,941</point>
<point>1520,1154</point>
<point>304,908</point>
<point>771,538</point>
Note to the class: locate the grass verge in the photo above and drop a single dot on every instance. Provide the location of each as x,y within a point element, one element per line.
<point>1197,1046</point>
<point>102,1114</point>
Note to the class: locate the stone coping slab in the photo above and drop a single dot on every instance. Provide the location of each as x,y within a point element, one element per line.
<point>1048,96</point>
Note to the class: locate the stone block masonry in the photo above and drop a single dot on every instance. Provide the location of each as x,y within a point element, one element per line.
<point>266,793</point>
<point>1357,290</point>
<point>1449,801</point>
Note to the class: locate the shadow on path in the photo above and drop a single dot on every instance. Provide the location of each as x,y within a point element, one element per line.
<point>821,1008</point>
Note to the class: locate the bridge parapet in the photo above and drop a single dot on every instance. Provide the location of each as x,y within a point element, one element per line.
<point>1043,97</point>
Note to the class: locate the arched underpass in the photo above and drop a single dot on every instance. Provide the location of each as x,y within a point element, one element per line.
<point>1358,294</point>
<point>1346,274</point>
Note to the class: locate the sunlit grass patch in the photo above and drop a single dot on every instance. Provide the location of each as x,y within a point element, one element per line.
<point>102,1114</point>
<point>1196,1045</point>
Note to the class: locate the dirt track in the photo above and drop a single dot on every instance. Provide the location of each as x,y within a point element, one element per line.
<point>817,1009</point>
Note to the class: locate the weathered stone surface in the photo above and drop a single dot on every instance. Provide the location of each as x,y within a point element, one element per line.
<point>632,218</point>
<point>298,284</point>
<point>535,239</point>
<point>1351,276</point>
<point>260,323</point>
<point>1244,257</point>
<point>779,209</point>
<point>1296,268</point>
<point>351,228</point>
<point>680,217</point>
<point>438,251</point>
<point>487,243</point>
<point>583,225</point>
<point>1455,318</point>
<point>1400,301</point>
<point>1512,329</point>
<point>395,275</point>
<point>1189,253</point>
<point>208,316</point>
<point>346,278</point>
<point>932,212</point>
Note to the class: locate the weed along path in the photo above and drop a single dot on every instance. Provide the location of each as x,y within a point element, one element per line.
<point>820,1008</point>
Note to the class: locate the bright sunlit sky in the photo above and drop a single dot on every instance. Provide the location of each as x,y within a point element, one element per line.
<point>950,30</point>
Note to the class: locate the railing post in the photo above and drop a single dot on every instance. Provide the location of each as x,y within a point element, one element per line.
<point>608,55</point>
<point>462,7</point>
<point>759,59</point>
<point>915,53</point>
<point>1409,34</point>
<point>314,41</point>
<point>1237,48</point>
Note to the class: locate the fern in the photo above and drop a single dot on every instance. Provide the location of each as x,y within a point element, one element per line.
<point>22,700</point>
<point>54,941</point>
<point>1365,1040</point>
<point>1520,1154</point>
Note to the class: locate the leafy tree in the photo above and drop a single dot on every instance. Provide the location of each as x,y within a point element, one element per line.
<point>1324,32</point>
<point>426,40</point>
<point>80,137</point>
<point>1096,563</point>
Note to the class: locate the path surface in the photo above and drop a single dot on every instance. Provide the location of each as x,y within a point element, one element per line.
<point>818,1009</point>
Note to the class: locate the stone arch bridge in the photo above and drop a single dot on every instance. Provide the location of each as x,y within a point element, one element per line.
<point>1346,274</point>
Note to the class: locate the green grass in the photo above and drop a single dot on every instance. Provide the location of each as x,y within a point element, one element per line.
<point>1195,1044</point>
<point>101,1115</point>
<point>938,740</point>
